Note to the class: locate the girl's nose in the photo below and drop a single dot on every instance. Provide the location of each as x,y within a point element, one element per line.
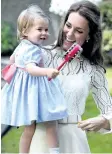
<point>44,32</point>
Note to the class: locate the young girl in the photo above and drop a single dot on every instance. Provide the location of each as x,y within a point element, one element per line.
<point>30,98</point>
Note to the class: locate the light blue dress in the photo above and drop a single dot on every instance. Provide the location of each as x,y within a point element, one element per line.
<point>30,98</point>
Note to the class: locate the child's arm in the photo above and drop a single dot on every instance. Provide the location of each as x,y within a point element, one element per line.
<point>38,71</point>
<point>12,59</point>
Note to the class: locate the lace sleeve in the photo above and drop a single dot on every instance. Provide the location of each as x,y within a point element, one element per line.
<point>101,96</point>
<point>100,93</point>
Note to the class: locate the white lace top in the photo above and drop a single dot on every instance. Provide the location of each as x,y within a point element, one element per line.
<point>77,78</point>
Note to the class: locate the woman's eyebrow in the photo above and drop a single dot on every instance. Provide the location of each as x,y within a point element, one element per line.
<point>75,27</point>
<point>80,28</point>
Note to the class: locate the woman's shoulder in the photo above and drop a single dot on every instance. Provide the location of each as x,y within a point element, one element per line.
<point>49,50</point>
<point>87,67</point>
<point>93,68</point>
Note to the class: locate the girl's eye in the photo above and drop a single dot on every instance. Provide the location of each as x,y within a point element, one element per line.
<point>46,30</point>
<point>39,29</point>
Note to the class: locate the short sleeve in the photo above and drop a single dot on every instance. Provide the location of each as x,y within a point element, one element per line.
<point>33,54</point>
<point>16,50</point>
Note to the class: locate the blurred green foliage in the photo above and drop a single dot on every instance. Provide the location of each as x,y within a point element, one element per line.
<point>107,46</point>
<point>107,40</point>
<point>106,11</point>
<point>8,39</point>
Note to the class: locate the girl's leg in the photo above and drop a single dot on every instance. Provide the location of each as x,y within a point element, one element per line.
<point>26,138</point>
<point>52,136</point>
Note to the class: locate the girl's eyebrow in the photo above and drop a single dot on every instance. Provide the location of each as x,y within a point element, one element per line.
<point>39,27</point>
<point>75,27</point>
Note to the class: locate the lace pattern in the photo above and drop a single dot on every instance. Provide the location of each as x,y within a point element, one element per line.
<point>100,91</point>
<point>77,78</point>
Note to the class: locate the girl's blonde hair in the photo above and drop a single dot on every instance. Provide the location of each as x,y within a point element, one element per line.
<point>26,19</point>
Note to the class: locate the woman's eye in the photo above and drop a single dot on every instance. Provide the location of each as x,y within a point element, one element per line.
<point>79,31</point>
<point>68,25</point>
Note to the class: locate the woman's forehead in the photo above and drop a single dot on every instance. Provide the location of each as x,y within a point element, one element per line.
<point>76,20</point>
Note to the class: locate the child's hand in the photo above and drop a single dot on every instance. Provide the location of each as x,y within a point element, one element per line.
<point>52,73</point>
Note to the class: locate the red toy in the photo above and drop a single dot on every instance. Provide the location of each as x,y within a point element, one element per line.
<point>72,52</point>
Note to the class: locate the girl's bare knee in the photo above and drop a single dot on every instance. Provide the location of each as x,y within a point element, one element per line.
<point>50,124</point>
<point>29,130</point>
<point>51,127</point>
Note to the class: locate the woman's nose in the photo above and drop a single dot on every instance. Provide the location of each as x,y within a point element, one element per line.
<point>70,34</point>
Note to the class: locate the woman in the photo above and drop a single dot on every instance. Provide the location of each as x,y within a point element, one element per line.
<point>81,24</point>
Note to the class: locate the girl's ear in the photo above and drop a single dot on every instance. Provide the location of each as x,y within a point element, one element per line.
<point>24,32</point>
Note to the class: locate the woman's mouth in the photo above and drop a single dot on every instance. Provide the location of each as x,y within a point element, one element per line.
<point>69,40</point>
<point>67,43</point>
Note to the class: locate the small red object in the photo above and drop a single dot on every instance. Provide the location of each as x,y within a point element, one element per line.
<point>72,52</point>
<point>8,72</point>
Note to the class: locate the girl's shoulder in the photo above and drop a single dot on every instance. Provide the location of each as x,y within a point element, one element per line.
<point>23,46</point>
<point>27,45</point>
<point>26,49</point>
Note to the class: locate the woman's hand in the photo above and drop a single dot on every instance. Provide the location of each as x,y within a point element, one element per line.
<point>94,124</point>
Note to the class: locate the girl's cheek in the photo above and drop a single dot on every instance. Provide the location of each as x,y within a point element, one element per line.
<point>47,36</point>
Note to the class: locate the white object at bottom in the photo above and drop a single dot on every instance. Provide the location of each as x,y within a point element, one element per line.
<point>71,138</point>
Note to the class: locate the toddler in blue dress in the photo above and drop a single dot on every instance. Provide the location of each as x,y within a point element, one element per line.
<point>30,98</point>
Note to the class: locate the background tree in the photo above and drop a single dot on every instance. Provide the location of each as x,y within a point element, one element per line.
<point>106,11</point>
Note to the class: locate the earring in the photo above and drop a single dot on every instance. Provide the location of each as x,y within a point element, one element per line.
<point>87,39</point>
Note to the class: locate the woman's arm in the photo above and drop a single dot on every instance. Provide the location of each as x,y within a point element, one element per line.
<point>96,124</point>
<point>103,101</point>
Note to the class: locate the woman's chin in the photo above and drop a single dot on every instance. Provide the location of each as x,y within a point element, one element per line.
<point>67,45</point>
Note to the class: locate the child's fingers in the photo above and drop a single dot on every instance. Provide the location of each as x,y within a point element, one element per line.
<point>57,71</point>
<point>55,74</point>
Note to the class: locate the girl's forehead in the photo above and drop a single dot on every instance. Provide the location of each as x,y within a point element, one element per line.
<point>40,21</point>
